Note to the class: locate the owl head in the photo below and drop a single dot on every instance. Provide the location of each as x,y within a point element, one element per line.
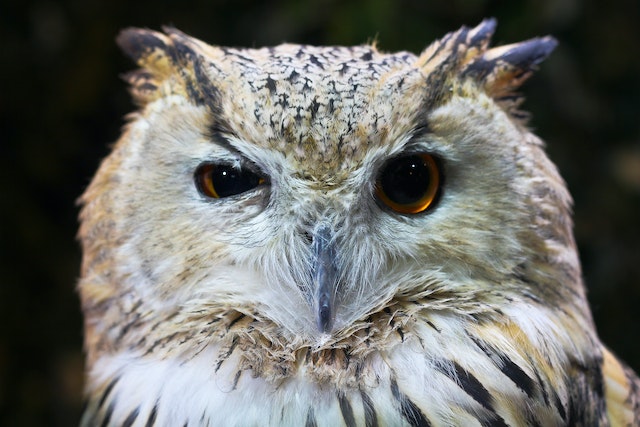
<point>312,188</point>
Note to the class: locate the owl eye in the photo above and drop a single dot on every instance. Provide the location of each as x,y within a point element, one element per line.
<point>409,184</point>
<point>224,180</point>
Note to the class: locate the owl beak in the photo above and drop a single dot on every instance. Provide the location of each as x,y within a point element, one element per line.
<point>324,277</point>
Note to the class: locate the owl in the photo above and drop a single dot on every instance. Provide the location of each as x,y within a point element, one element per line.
<point>327,236</point>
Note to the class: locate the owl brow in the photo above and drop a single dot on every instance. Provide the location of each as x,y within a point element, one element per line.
<point>415,142</point>
<point>217,136</point>
<point>421,131</point>
<point>220,135</point>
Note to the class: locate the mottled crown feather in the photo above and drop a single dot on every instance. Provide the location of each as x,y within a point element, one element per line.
<point>175,63</point>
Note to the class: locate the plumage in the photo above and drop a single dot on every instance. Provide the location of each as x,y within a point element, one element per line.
<point>325,236</point>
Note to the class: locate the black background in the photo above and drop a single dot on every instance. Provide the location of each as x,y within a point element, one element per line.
<point>62,103</point>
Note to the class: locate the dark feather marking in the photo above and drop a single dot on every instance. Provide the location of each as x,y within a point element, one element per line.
<point>217,135</point>
<point>160,342</point>
<point>470,384</point>
<point>474,388</point>
<point>208,93</point>
<point>235,379</point>
<point>575,414</point>
<point>239,55</point>
<point>271,85</point>
<point>152,416</point>
<point>154,327</point>
<point>131,418</point>
<point>370,417</point>
<point>347,410</point>
<point>232,347</point>
<point>559,406</point>
<point>433,326</point>
<point>586,386</point>
<point>107,415</point>
<point>359,368</point>
<point>212,321</point>
<point>106,392</point>
<point>125,329</point>
<point>543,389</point>
<point>410,410</point>
<point>420,132</point>
<point>517,375</point>
<point>202,91</point>
<point>311,419</point>
<point>508,367</point>
<point>314,60</point>
<point>236,320</point>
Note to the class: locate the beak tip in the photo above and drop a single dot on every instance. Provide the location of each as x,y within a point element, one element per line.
<point>324,319</point>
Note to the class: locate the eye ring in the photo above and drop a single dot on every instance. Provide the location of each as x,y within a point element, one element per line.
<point>409,184</point>
<point>221,180</point>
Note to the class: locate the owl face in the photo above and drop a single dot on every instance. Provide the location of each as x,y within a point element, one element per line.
<point>311,187</point>
<point>307,235</point>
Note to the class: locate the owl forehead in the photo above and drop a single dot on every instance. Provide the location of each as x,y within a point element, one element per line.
<point>326,107</point>
<point>317,105</point>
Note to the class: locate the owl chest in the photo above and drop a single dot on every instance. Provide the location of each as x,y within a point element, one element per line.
<point>217,387</point>
<point>203,391</point>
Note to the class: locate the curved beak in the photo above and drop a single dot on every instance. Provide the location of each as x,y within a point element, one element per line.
<point>324,277</point>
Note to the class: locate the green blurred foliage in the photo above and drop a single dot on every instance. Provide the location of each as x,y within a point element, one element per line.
<point>62,104</point>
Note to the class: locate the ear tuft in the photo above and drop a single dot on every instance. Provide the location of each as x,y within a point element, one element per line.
<point>171,63</point>
<point>503,69</point>
<point>454,49</point>
<point>499,71</point>
<point>153,52</point>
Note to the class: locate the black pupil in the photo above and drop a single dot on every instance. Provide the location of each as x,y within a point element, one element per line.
<point>405,180</point>
<point>228,180</point>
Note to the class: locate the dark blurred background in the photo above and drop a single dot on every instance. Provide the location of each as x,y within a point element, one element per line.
<point>62,104</point>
